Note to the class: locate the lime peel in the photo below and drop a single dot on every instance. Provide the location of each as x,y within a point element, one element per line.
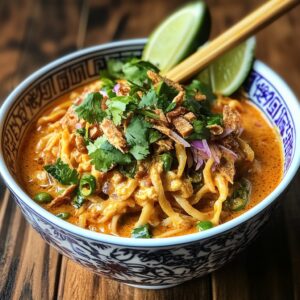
<point>229,71</point>
<point>178,36</point>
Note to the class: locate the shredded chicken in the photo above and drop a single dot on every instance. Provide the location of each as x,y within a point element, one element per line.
<point>123,90</point>
<point>80,144</point>
<point>200,97</point>
<point>215,129</point>
<point>178,99</point>
<point>231,118</point>
<point>70,119</point>
<point>162,117</point>
<point>180,110</point>
<point>164,146</point>
<point>64,197</point>
<point>114,135</point>
<point>94,131</point>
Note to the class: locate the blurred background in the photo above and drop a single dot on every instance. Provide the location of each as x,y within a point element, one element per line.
<point>33,33</point>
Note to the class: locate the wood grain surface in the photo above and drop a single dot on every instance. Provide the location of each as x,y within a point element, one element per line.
<point>35,32</point>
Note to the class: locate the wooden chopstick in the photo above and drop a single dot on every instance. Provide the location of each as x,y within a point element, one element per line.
<point>245,28</point>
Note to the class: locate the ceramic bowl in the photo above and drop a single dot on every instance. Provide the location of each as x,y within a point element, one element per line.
<point>154,263</point>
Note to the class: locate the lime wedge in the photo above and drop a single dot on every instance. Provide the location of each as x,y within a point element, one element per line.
<point>204,77</point>
<point>228,72</point>
<point>178,36</point>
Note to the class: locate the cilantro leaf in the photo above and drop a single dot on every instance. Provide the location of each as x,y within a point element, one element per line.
<point>214,119</point>
<point>153,100</point>
<point>240,196</point>
<point>105,156</point>
<point>116,107</point>
<point>154,136</point>
<point>149,99</point>
<point>139,151</point>
<point>137,137</point>
<point>193,106</point>
<point>141,232</point>
<point>198,87</point>
<point>200,131</point>
<point>90,109</point>
<point>135,71</point>
<point>62,173</point>
<point>114,68</point>
<point>78,201</point>
<point>163,89</point>
<point>81,131</point>
<point>129,170</point>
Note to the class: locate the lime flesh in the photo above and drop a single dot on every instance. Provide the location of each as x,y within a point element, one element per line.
<point>178,36</point>
<point>228,72</point>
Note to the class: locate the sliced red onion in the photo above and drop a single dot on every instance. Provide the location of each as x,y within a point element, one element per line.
<point>103,93</point>
<point>190,158</point>
<point>195,154</point>
<point>240,131</point>
<point>215,152</point>
<point>225,133</point>
<point>230,152</point>
<point>202,147</point>
<point>179,139</point>
<point>117,88</point>
<point>199,164</point>
<point>78,126</point>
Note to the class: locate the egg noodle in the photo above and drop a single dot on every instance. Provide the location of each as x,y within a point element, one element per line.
<point>181,178</point>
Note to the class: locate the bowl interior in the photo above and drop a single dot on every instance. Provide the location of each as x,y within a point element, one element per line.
<point>266,89</point>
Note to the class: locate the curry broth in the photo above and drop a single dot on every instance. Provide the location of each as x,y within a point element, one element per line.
<point>265,174</point>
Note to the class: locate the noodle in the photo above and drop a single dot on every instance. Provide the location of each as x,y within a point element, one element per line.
<point>222,185</point>
<point>131,166</point>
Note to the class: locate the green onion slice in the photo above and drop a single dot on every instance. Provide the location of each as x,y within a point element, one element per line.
<point>87,185</point>
<point>141,232</point>
<point>204,225</point>
<point>63,215</point>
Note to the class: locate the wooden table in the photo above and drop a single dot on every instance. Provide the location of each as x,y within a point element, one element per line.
<point>35,32</point>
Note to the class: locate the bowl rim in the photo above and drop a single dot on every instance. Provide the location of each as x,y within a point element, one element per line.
<point>12,184</point>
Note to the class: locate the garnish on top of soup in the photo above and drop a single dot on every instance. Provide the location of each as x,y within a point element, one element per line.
<point>135,154</point>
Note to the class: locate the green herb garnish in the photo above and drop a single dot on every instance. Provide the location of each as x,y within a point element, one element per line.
<point>167,160</point>
<point>78,201</point>
<point>154,136</point>
<point>200,131</point>
<point>116,107</point>
<point>87,185</point>
<point>81,131</point>
<point>129,170</point>
<point>136,135</point>
<point>141,232</point>
<point>204,225</point>
<point>62,173</point>
<point>63,215</point>
<point>90,109</point>
<point>240,196</point>
<point>105,156</point>
<point>215,119</point>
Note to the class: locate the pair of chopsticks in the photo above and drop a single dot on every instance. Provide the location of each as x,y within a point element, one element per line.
<point>245,28</point>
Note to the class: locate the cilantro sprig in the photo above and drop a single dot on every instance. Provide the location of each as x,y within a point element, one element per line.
<point>90,109</point>
<point>136,135</point>
<point>133,70</point>
<point>62,173</point>
<point>105,156</point>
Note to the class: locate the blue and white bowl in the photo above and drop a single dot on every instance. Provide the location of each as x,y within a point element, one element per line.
<point>153,263</point>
